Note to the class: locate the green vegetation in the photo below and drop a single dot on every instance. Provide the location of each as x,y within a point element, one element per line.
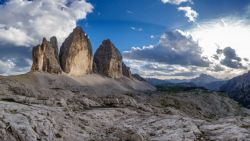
<point>176,88</point>
<point>245,126</point>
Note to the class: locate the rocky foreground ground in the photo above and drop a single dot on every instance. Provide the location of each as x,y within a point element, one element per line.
<point>46,107</point>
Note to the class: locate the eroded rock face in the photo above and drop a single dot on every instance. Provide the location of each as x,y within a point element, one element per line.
<point>238,89</point>
<point>45,58</point>
<point>54,44</point>
<point>76,54</point>
<point>126,71</point>
<point>138,77</point>
<point>108,60</point>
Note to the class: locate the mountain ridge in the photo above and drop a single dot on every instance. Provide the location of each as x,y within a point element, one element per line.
<point>203,80</point>
<point>238,88</point>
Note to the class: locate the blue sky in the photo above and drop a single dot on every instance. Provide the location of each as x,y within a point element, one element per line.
<point>158,38</point>
<point>114,19</point>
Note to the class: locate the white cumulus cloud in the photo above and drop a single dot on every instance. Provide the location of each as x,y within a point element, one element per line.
<point>176,2</point>
<point>191,14</point>
<point>25,22</point>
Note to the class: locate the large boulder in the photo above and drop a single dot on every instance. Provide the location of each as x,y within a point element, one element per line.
<point>126,71</point>
<point>108,60</point>
<point>76,54</point>
<point>45,59</point>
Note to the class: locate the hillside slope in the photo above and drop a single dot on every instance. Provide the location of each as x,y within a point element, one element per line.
<point>238,88</point>
<point>40,106</point>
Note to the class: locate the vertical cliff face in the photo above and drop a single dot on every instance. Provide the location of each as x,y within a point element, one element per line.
<point>45,59</point>
<point>238,88</point>
<point>76,54</point>
<point>126,71</point>
<point>108,60</point>
<point>54,44</point>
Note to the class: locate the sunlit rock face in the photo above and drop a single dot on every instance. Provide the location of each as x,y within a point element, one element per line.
<point>76,54</point>
<point>108,60</point>
<point>45,57</point>
<point>126,71</point>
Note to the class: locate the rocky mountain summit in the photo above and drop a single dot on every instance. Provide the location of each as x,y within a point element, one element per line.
<point>209,82</point>
<point>76,59</point>
<point>108,60</point>
<point>204,79</point>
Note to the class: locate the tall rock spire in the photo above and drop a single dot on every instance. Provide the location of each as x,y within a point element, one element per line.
<point>76,54</point>
<point>45,59</point>
<point>126,71</point>
<point>108,60</point>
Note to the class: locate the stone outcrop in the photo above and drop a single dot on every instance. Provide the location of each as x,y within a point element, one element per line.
<point>238,89</point>
<point>76,59</point>
<point>108,60</point>
<point>138,77</point>
<point>126,71</point>
<point>76,54</point>
<point>45,57</point>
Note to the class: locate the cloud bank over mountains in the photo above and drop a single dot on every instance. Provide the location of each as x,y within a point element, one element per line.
<point>175,47</point>
<point>178,55</point>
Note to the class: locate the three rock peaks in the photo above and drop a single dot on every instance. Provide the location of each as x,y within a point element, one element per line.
<point>76,57</point>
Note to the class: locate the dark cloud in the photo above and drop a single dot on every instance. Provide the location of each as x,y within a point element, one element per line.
<point>219,51</point>
<point>155,67</point>
<point>231,59</point>
<point>174,48</point>
<point>216,57</point>
<point>246,59</point>
<point>217,68</point>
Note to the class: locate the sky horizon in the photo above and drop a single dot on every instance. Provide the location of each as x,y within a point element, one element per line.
<point>165,39</point>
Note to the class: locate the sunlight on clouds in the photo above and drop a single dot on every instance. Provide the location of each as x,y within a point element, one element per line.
<point>232,58</point>
<point>149,69</point>
<point>191,14</point>
<point>6,66</point>
<point>223,33</point>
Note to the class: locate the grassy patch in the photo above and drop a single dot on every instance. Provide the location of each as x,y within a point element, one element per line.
<point>176,89</point>
<point>245,126</point>
<point>8,99</point>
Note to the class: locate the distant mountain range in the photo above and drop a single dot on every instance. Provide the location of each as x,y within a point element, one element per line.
<point>204,80</point>
<point>238,88</point>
